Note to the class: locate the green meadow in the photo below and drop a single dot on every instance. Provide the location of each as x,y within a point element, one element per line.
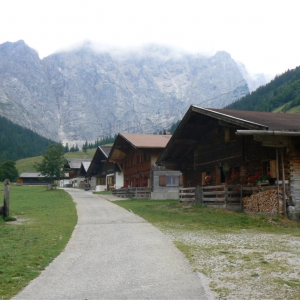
<point>45,222</point>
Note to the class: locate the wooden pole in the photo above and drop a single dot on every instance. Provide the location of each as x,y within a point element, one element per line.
<point>6,198</point>
<point>283,184</point>
<point>197,194</point>
<point>277,177</point>
<point>241,197</point>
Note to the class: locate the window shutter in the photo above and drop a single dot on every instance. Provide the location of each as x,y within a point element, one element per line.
<point>273,173</point>
<point>181,180</point>
<point>163,180</point>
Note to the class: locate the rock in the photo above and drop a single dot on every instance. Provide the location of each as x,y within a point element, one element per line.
<point>86,94</point>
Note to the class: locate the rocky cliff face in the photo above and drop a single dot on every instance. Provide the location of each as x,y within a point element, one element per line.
<point>26,97</point>
<point>84,95</point>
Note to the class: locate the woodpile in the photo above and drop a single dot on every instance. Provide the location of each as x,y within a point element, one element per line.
<point>265,202</point>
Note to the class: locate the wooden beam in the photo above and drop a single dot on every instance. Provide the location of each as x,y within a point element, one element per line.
<point>171,165</point>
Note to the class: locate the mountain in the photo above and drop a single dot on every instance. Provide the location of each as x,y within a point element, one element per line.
<point>282,94</point>
<point>87,93</point>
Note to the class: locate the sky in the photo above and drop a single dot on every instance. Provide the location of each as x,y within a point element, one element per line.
<point>262,34</point>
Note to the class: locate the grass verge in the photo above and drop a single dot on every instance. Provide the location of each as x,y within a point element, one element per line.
<point>103,193</point>
<point>244,256</point>
<point>174,215</point>
<point>45,222</point>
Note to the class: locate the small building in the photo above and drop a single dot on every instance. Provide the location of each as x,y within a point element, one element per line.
<point>33,179</point>
<point>102,174</point>
<point>229,146</point>
<point>76,173</point>
<point>136,155</point>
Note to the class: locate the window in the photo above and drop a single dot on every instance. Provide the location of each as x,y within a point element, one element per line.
<point>110,180</point>
<point>172,180</point>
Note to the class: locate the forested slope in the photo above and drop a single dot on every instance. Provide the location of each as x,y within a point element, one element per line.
<point>282,94</point>
<point>17,142</point>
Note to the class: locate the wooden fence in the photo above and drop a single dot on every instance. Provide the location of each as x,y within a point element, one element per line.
<point>133,192</point>
<point>220,194</point>
<point>212,195</point>
<point>187,194</point>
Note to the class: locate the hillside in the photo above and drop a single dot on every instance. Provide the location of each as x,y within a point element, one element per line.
<point>282,94</point>
<point>26,164</point>
<point>17,142</point>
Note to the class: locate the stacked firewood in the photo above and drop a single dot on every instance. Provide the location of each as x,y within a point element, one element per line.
<point>265,202</point>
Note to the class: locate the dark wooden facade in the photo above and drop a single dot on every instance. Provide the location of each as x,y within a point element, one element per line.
<point>136,154</point>
<point>33,179</point>
<point>100,167</point>
<point>214,146</point>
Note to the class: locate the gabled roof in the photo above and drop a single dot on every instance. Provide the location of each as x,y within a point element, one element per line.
<point>197,120</point>
<point>85,165</point>
<point>105,149</point>
<point>100,157</point>
<point>75,163</point>
<point>272,121</point>
<point>146,140</point>
<point>137,141</point>
<point>31,175</point>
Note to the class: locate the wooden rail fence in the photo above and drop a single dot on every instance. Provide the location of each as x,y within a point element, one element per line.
<point>220,194</point>
<point>133,192</point>
<point>212,195</point>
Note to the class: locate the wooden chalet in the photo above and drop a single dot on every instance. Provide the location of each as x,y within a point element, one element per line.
<point>77,171</point>
<point>102,174</point>
<point>221,146</point>
<point>136,155</point>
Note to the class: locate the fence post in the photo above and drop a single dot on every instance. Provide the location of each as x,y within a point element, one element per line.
<point>226,194</point>
<point>135,193</point>
<point>241,195</point>
<point>6,198</point>
<point>198,194</point>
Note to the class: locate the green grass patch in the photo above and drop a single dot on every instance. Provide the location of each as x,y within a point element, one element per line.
<point>172,214</point>
<point>47,220</point>
<point>103,193</point>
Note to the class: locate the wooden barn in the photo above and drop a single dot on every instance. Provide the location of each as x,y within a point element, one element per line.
<point>102,174</point>
<point>77,171</point>
<point>136,155</point>
<point>33,179</point>
<point>222,147</point>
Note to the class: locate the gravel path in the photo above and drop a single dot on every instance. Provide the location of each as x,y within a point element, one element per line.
<point>244,265</point>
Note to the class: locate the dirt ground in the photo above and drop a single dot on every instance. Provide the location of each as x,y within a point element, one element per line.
<point>244,265</point>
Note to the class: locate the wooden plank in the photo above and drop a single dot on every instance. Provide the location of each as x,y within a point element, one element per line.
<point>213,186</point>
<point>214,193</point>
<point>186,194</point>
<point>213,199</point>
<point>187,188</point>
